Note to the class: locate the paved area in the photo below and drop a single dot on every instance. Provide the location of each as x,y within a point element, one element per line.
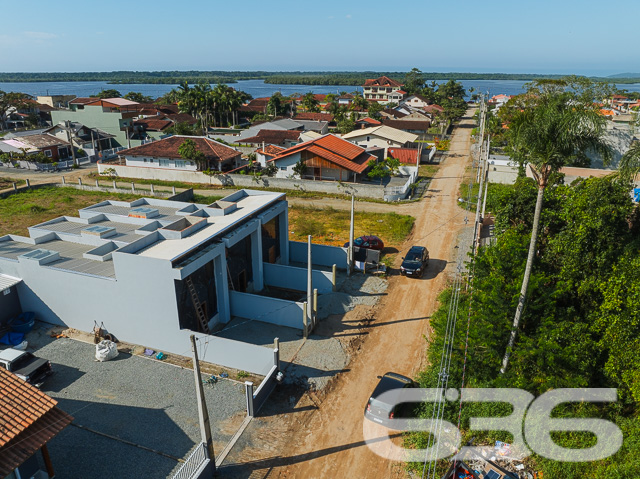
<point>134,417</point>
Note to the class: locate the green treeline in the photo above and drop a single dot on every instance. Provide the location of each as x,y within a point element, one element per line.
<point>286,78</point>
<point>581,324</point>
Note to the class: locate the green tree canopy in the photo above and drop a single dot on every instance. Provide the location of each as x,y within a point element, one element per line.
<point>139,97</point>
<point>111,93</point>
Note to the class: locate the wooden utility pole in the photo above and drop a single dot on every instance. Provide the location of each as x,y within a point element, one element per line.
<point>203,414</point>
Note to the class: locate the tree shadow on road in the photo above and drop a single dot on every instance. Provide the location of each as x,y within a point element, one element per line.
<point>247,469</point>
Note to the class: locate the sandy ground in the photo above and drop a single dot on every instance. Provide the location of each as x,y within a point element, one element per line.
<point>323,436</point>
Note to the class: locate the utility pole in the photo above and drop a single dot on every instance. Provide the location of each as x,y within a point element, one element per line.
<point>67,125</point>
<point>203,414</point>
<point>309,282</point>
<point>350,251</point>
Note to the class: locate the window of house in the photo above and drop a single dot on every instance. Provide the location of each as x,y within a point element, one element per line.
<point>368,138</point>
<point>283,168</point>
<point>166,163</point>
<point>181,164</point>
<point>48,153</point>
<point>145,160</point>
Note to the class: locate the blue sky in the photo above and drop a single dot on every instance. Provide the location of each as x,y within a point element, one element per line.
<point>530,36</point>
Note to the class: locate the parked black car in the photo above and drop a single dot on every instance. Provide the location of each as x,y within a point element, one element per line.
<point>415,262</point>
<point>379,411</point>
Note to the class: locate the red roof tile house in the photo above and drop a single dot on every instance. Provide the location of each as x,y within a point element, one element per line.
<point>267,153</point>
<point>28,420</point>
<point>326,158</point>
<point>165,154</point>
<point>381,89</point>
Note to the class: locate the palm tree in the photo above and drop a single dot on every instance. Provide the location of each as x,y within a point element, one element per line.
<point>309,103</point>
<point>359,102</point>
<point>630,163</point>
<point>558,123</point>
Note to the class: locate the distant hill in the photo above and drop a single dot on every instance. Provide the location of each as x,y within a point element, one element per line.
<point>625,75</point>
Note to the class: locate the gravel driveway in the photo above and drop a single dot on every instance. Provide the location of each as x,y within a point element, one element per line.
<point>132,399</point>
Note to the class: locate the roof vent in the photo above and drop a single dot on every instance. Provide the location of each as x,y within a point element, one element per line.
<point>143,212</point>
<point>99,231</point>
<point>41,256</point>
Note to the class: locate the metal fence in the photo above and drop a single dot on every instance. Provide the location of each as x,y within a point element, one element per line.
<point>193,464</point>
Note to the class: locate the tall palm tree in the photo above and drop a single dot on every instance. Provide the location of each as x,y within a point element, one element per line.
<point>558,122</point>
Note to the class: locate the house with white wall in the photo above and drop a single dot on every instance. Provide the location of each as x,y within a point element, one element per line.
<point>326,158</point>
<point>381,136</point>
<point>165,154</point>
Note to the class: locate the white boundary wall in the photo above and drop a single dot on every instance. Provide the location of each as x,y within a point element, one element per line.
<point>290,277</point>
<point>246,181</point>
<point>268,310</point>
<point>321,254</point>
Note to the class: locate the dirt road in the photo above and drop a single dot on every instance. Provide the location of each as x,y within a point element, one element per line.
<point>325,439</point>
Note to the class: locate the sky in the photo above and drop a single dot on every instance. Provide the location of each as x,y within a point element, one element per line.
<point>514,36</point>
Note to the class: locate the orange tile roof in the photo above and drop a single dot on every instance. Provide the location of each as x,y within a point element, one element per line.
<point>382,81</point>
<point>168,148</point>
<point>28,420</point>
<point>405,155</point>
<point>271,150</point>
<point>20,405</point>
<point>370,121</point>
<point>336,150</point>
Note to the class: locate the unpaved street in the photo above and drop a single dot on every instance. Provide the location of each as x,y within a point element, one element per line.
<point>326,440</point>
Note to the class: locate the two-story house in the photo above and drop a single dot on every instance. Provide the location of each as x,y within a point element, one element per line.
<point>382,90</point>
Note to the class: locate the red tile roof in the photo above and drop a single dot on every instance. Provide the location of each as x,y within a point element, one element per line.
<point>168,148</point>
<point>336,150</point>
<point>405,155</point>
<point>28,419</point>
<point>273,137</point>
<point>271,150</point>
<point>382,81</point>
<point>413,125</point>
<point>182,118</point>
<point>433,108</point>
<point>369,121</point>
<point>314,116</point>
<point>153,124</point>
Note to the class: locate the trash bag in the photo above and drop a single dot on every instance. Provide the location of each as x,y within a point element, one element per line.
<point>106,350</point>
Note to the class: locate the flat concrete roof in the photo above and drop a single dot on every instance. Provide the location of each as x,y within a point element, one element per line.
<point>110,225</point>
<point>70,256</point>
<point>247,205</point>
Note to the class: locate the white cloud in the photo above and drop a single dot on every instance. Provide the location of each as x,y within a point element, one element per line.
<point>40,35</point>
<point>348,15</point>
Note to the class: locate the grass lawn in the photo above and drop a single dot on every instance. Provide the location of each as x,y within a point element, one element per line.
<point>329,226</point>
<point>8,182</point>
<point>19,211</point>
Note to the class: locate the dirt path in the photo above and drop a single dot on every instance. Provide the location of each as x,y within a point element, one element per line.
<point>327,441</point>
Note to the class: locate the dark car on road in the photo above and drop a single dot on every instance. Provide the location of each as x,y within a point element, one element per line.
<point>367,242</point>
<point>415,262</point>
<point>379,411</point>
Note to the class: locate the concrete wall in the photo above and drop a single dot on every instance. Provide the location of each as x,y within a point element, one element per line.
<point>247,181</point>
<point>290,277</point>
<point>321,254</point>
<point>268,310</point>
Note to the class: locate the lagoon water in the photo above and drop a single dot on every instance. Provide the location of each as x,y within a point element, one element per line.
<point>256,88</point>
